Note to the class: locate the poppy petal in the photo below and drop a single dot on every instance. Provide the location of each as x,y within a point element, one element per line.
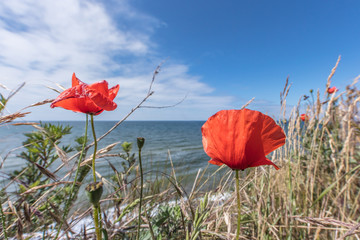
<point>273,136</point>
<point>101,87</point>
<point>264,161</point>
<point>83,104</point>
<point>91,99</point>
<point>214,140</point>
<point>101,101</point>
<point>240,138</point>
<point>76,100</point>
<point>75,81</point>
<point>113,91</point>
<point>250,136</point>
<point>74,92</point>
<point>99,93</point>
<point>216,162</point>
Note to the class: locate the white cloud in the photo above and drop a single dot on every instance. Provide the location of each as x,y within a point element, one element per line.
<point>42,42</point>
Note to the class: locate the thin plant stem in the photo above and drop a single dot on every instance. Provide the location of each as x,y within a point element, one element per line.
<point>95,146</point>
<point>67,205</point>
<point>141,193</point>
<point>96,222</point>
<point>96,208</point>
<point>238,203</point>
<point>3,221</point>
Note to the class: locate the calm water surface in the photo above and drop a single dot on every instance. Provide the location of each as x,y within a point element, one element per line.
<point>182,139</point>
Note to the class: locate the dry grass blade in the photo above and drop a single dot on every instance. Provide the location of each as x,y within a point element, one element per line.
<point>248,103</point>
<point>25,123</point>
<point>39,103</point>
<point>350,232</point>
<point>282,94</point>
<point>168,106</point>
<point>194,184</point>
<point>46,172</point>
<point>54,89</point>
<point>27,212</point>
<point>45,186</point>
<point>113,167</point>
<point>56,215</point>
<point>60,86</point>
<point>20,228</point>
<point>12,117</point>
<point>325,222</point>
<point>40,128</point>
<point>328,83</point>
<point>12,93</point>
<point>62,154</point>
<point>100,153</point>
<point>318,104</point>
<point>4,87</point>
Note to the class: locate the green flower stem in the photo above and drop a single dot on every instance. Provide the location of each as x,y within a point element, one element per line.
<point>238,203</point>
<point>140,142</point>
<point>3,221</point>
<point>95,146</point>
<point>67,204</point>
<point>96,222</point>
<point>96,208</point>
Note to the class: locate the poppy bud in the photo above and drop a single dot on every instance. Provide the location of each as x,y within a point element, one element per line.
<point>140,142</point>
<point>311,90</point>
<point>94,192</point>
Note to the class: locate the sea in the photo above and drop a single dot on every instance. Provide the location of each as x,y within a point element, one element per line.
<point>179,142</point>
<point>169,146</point>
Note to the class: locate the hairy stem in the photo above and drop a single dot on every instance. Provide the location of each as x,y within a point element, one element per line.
<point>238,203</point>
<point>95,146</point>
<point>141,193</point>
<point>96,222</point>
<point>96,208</point>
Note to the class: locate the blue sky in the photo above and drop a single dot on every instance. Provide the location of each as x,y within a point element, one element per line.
<point>219,54</point>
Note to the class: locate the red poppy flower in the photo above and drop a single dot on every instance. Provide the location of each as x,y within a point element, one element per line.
<point>241,138</point>
<point>304,117</point>
<point>332,90</point>
<point>91,99</point>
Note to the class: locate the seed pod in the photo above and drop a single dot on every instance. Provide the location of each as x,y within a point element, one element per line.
<point>140,142</point>
<point>94,192</point>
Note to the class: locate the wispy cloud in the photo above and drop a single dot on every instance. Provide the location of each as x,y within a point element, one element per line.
<point>42,42</point>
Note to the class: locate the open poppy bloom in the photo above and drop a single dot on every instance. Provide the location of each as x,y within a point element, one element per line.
<point>90,99</point>
<point>304,117</point>
<point>241,138</point>
<point>332,90</point>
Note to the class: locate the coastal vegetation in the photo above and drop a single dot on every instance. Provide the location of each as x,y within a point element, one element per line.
<point>315,193</point>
